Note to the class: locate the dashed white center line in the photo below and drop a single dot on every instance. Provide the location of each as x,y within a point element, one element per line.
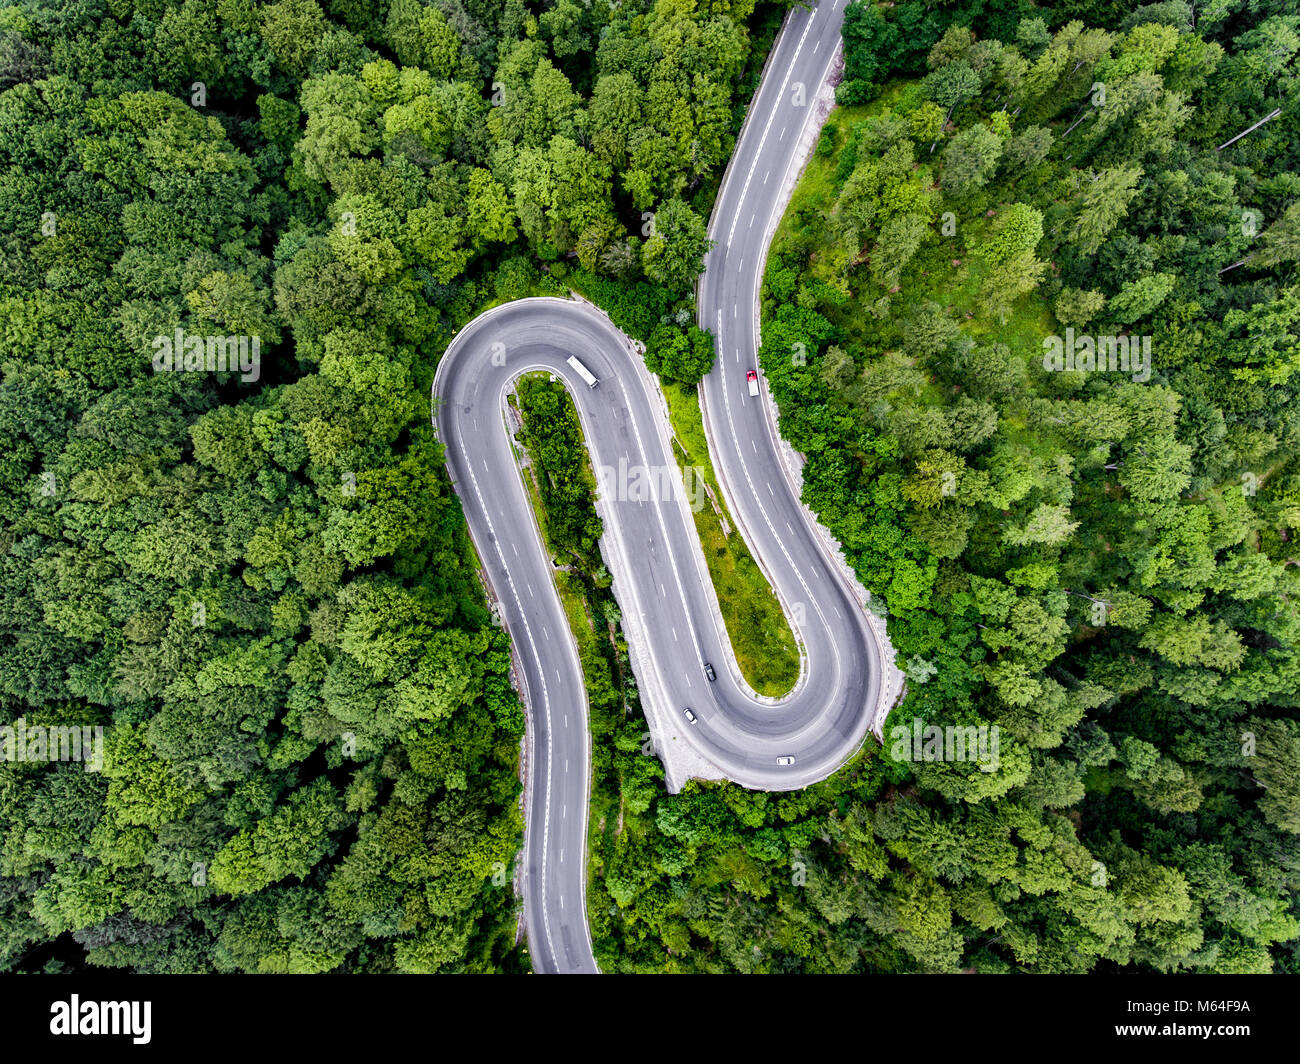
<point>766,176</point>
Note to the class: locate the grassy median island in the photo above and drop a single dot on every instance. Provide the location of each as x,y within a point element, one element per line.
<point>560,483</point>
<point>562,489</point>
<point>764,646</point>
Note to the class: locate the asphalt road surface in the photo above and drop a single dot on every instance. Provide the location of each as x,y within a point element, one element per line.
<point>648,525</point>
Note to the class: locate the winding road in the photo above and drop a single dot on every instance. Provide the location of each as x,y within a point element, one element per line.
<point>669,605</point>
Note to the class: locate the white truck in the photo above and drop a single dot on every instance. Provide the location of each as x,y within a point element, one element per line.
<point>583,372</point>
<point>752,378</point>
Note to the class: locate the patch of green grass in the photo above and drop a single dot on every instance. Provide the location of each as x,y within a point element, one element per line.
<point>760,636</point>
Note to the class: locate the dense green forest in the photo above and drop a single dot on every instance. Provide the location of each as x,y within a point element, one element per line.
<point>256,580</point>
<point>252,574</point>
<point>1097,559</point>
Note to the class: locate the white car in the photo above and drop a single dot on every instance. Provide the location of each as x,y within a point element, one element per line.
<point>691,716</point>
<point>785,759</point>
